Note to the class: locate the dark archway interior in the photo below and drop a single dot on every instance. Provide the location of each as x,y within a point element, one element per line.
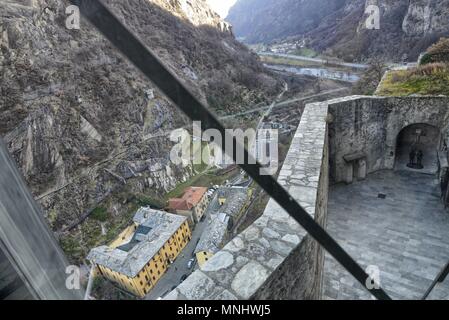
<point>418,139</point>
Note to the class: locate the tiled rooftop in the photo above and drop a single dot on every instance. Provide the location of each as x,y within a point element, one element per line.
<point>156,227</point>
<point>192,196</point>
<point>214,236</point>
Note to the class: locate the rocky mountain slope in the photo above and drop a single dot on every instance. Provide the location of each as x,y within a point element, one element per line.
<point>407,27</point>
<point>85,127</point>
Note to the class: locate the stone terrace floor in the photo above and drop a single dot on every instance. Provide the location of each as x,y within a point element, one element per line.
<point>406,235</point>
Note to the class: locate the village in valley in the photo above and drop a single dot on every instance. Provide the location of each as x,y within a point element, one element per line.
<point>161,248</point>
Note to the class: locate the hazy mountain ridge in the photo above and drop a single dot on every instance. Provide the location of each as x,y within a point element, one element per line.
<point>408,27</point>
<point>267,20</point>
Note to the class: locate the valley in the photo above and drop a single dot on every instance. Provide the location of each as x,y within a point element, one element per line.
<point>337,28</point>
<point>102,149</point>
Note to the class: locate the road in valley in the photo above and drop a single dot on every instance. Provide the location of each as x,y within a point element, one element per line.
<point>282,103</point>
<point>317,60</point>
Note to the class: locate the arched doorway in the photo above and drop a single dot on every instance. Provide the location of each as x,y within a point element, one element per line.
<point>417,148</point>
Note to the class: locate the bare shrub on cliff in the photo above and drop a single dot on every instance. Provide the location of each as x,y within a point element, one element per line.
<point>429,69</point>
<point>367,85</point>
<point>439,52</point>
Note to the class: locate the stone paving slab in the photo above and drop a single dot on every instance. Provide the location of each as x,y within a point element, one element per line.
<point>405,235</point>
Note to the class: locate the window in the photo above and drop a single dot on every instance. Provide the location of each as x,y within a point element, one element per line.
<point>154,278</point>
<point>141,283</point>
<point>151,271</point>
<point>146,278</point>
<point>158,272</point>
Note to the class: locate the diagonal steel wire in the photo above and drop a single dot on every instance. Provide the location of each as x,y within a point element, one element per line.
<point>441,277</point>
<point>131,47</point>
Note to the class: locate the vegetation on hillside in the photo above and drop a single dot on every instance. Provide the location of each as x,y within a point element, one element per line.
<point>431,77</point>
<point>306,52</point>
<point>439,52</point>
<point>287,61</point>
<point>204,179</point>
<point>104,224</point>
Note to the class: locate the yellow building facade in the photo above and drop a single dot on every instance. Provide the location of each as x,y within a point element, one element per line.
<point>138,262</point>
<point>201,207</point>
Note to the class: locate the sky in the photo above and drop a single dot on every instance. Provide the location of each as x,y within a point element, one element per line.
<point>222,6</point>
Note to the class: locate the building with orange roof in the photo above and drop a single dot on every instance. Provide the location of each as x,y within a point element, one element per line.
<point>192,204</point>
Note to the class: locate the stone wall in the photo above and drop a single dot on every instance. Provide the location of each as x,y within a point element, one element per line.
<point>300,275</point>
<point>275,258</point>
<point>371,125</point>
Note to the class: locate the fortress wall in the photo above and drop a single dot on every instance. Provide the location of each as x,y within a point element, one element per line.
<point>371,125</point>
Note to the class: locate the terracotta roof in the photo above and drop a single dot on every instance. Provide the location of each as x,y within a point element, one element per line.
<point>192,196</point>
<point>177,204</point>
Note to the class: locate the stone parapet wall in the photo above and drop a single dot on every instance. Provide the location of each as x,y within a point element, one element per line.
<point>275,258</point>
<point>370,126</point>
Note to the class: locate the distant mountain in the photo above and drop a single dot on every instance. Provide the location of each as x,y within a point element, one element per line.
<point>407,27</point>
<point>267,20</point>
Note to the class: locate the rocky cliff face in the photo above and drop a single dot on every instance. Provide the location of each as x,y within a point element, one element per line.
<point>407,26</point>
<point>196,12</point>
<point>426,17</point>
<point>83,125</point>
